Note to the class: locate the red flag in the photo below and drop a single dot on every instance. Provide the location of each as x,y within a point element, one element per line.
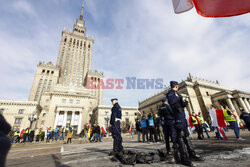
<point>190,120</point>
<point>130,129</point>
<point>222,8</point>
<point>21,132</point>
<point>103,130</point>
<point>220,118</point>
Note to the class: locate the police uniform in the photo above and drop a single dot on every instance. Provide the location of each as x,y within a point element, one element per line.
<point>4,140</point>
<point>181,139</point>
<point>166,115</point>
<point>115,121</point>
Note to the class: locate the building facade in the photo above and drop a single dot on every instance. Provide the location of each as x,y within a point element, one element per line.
<point>17,113</point>
<point>61,89</point>
<point>201,94</point>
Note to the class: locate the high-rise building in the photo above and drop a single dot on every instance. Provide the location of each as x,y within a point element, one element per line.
<point>61,89</point>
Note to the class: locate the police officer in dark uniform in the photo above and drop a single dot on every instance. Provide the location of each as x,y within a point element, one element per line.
<point>115,122</point>
<point>181,141</point>
<point>4,140</point>
<point>166,114</point>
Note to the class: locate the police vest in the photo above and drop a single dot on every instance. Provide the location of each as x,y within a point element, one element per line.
<point>200,119</point>
<point>16,134</point>
<point>151,122</point>
<point>27,131</point>
<point>194,120</point>
<point>37,132</point>
<point>143,123</point>
<point>228,117</point>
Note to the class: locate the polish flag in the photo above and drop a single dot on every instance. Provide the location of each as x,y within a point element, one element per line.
<point>189,120</point>
<point>130,128</point>
<point>103,130</point>
<point>218,120</point>
<point>221,8</point>
<point>21,132</point>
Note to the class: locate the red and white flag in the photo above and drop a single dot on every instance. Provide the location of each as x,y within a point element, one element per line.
<point>21,132</point>
<point>103,130</point>
<point>181,6</point>
<point>222,8</point>
<point>130,128</point>
<point>218,120</point>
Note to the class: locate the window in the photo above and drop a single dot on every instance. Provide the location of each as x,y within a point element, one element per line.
<point>47,71</point>
<point>44,114</point>
<point>47,100</point>
<point>16,128</point>
<point>1,110</point>
<point>52,72</point>
<point>45,107</point>
<point>126,113</point>
<point>43,71</point>
<point>18,120</point>
<point>21,111</point>
<point>207,93</point>
<point>70,101</point>
<point>77,101</point>
<point>63,100</point>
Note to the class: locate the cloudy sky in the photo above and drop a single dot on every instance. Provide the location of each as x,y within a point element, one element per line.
<point>140,38</point>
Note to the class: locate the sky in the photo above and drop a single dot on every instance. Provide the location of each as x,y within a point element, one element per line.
<point>142,39</point>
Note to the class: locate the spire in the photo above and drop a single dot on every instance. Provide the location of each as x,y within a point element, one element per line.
<point>81,16</point>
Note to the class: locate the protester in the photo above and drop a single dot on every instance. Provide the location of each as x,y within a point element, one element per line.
<point>92,133</point>
<point>130,131</point>
<point>55,134</point>
<point>37,133</point>
<point>69,135</point>
<point>138,129</point>
<point>63,130</point>
<point>203,125</point>
<point>197,125</point>
<point>48,134</point>
<point>16,136</point>
<point>246,117</point>
<point>26,135</point>
<point>32,135</point>
<point>97,133</point>
<point>229,117</point>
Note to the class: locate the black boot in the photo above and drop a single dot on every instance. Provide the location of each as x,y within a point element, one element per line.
<point>194,157</point>
<point>186,161</point>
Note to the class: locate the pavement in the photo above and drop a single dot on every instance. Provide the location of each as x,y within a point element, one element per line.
<point>81,154</point>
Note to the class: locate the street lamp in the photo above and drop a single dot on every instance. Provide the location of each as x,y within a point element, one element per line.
<point>107,122</point>
<point>32,118</point>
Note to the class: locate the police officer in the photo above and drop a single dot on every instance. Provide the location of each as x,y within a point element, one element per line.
<point>4,140</point>
<point>181,140</point>
<point>166,114</point>
<point>115,122</point>
<point>144,128</point>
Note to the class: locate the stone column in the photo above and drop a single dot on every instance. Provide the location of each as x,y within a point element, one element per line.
<point>56,119</point>
<point>79,123</point>
<point>247,104</point>
<point>236,107</point>
<point>73,118</point>
<point>243,105</point>
<point>230,104</point>
<point>218,105</point>
<point>65,119</point>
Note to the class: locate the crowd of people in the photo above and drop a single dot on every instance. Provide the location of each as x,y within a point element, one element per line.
<point>151,128</point>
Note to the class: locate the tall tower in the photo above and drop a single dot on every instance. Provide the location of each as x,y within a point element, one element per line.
<point>75,54</point>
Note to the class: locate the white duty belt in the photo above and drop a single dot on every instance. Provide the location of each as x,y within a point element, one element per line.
<point>118,119</point>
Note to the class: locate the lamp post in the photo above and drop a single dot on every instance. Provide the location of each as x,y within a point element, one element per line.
<point>32,118</point>
<point>107,123</point>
